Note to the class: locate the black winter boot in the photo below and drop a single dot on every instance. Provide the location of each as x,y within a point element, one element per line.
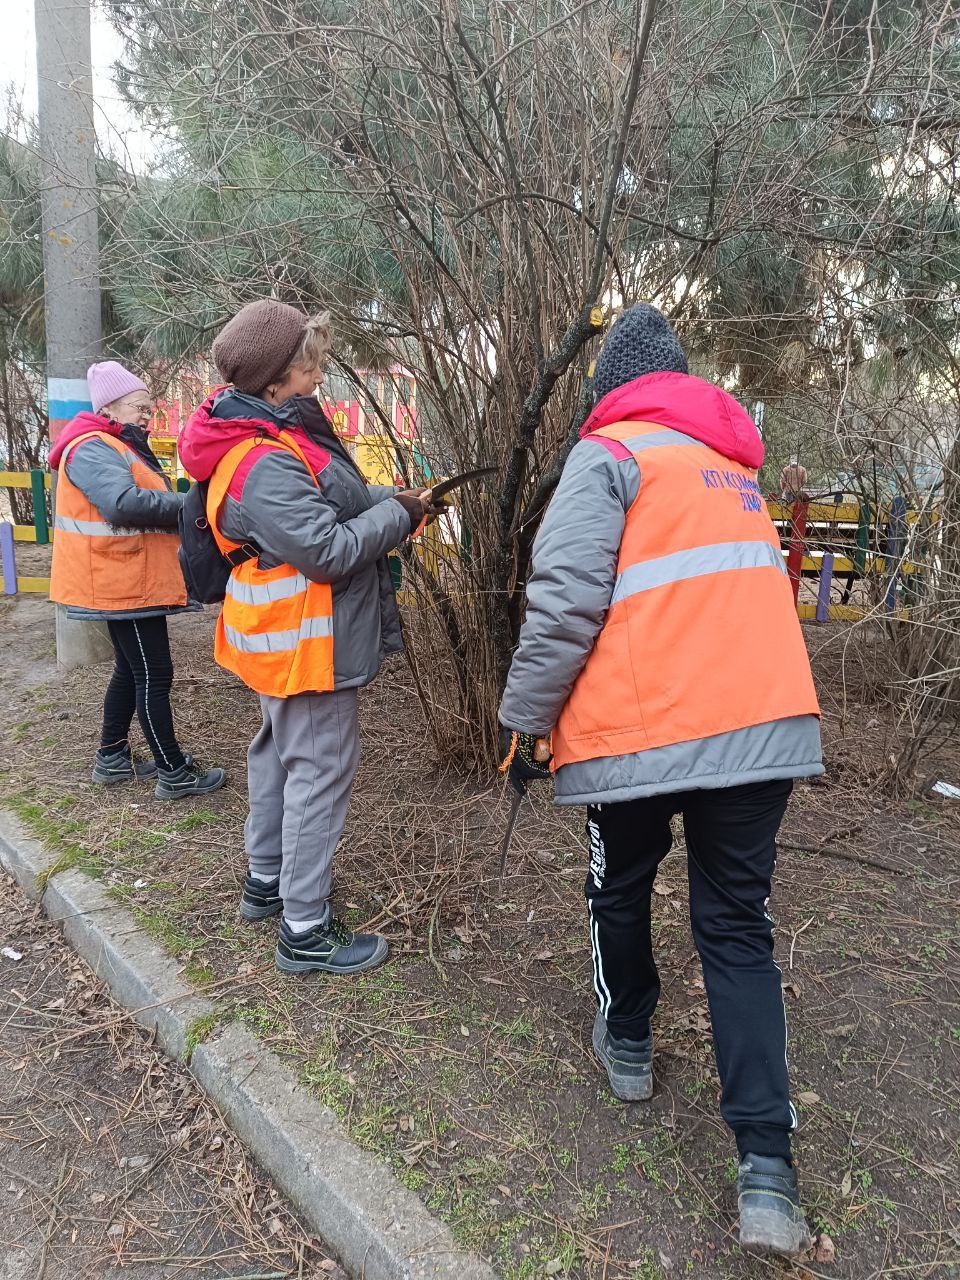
<point>260,899</point>
<point>113,765</point>
<point>331,948</point>
<point>771,1218</point>
<point>188,780</point>
<point>629,1063</point>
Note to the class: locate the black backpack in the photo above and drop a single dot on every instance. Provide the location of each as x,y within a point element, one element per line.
<point>204,567</point>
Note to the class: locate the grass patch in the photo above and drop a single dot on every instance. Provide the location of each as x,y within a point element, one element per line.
<point>198,1031</point>
<point>56,833</point>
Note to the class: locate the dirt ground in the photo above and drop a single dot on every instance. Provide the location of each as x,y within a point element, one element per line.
<point>111,1162</point>
<point>466,1060</point>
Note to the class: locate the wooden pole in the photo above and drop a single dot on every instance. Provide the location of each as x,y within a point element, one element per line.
<point>798,532</point>
<point>823,593</point>
<point>8,559</point>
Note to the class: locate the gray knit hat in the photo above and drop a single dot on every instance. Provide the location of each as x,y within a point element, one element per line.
<point>258,344</point>
<point>640,342</point>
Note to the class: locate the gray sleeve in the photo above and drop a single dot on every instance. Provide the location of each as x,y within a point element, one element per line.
<point>574,571</point>
<point>286,515</point>
<point>381,492</point>
<point>105,477</point>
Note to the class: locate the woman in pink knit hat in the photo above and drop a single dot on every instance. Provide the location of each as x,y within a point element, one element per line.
<point>115,560</point>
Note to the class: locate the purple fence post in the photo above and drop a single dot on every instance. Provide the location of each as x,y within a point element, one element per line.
<point>8,559</point>
<point>823,593</point>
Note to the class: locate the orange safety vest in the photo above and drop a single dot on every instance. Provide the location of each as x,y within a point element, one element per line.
<point>97,565</point>
<point>275,630</point>
<point>701,636</point>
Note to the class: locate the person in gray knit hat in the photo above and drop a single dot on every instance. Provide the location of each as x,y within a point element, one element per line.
<point>306,621</point>
<point>662,656</point>
<point>640,342</point>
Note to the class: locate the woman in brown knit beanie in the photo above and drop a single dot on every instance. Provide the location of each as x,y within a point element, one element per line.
<point>307,621</point>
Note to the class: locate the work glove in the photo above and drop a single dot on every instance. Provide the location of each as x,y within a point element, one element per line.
<point>526,758</point>
<point>419,507</point>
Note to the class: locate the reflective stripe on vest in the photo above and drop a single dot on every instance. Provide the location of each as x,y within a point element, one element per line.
<point>93,528</point>
<point>266,592</point>
<point>657,439</point>
<point>720,557</point>
<point>701,637</point>
<point>278,641</point>
<point>275,630</point>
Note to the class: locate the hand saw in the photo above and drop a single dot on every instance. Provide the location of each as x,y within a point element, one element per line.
<point>440,491</point>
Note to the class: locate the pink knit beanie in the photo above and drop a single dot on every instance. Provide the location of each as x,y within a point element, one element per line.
<point>109,381</point>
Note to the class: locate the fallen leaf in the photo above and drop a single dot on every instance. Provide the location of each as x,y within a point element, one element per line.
<point>464,1031</point>
<point>274,1226</point>
<point>808,1098</point>
<point>663,889</point>
<point>329,1268</point>
<point>846,1186</point>
<point>553,1267</point>
<point>543,955</point>
<point>824,1249</point>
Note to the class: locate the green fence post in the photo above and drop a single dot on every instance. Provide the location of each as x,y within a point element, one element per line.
<point>466,544</point>
<point>39,506</point>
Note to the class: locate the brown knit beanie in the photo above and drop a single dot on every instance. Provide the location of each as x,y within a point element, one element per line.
<point>258,344</point>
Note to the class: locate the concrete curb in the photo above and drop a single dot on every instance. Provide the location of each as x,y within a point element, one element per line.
<point>377,1226</point>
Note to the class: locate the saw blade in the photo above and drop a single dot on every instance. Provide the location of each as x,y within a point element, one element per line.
<point>447,486</point>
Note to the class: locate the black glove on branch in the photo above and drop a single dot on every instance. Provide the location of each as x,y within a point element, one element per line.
<point>527,758</point>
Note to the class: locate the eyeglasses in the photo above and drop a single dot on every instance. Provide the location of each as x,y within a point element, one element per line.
<point>138,406</point>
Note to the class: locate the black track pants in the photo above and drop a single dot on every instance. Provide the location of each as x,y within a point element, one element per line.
<point>731,850</point>
<point>141,680</point>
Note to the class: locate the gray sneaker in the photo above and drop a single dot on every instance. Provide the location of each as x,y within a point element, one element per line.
<point>629,1063</point>
<point>188,780</point>
<point>771,1219</point>
<point>111,767</point>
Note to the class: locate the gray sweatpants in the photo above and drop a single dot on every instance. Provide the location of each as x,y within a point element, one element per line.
<point>300,771</point>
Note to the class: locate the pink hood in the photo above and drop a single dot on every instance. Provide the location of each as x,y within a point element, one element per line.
<point>684,403</point>
<point>204,440</point>
<point>81,425</point>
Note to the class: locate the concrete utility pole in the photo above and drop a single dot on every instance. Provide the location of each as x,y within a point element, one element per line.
<point>71,251</point>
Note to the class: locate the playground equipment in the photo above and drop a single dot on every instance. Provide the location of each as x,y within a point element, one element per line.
<point>852,552</point>
<point>847,545</point>
<point>38,482</point>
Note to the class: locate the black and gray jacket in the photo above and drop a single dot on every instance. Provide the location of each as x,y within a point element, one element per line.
<point>338,531</point>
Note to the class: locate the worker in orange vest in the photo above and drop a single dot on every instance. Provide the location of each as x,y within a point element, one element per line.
<point>662,656</point>
<point>115,561</point>
<point>309,613</point>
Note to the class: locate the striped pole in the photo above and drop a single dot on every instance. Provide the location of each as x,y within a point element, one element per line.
<point>66,397</point>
